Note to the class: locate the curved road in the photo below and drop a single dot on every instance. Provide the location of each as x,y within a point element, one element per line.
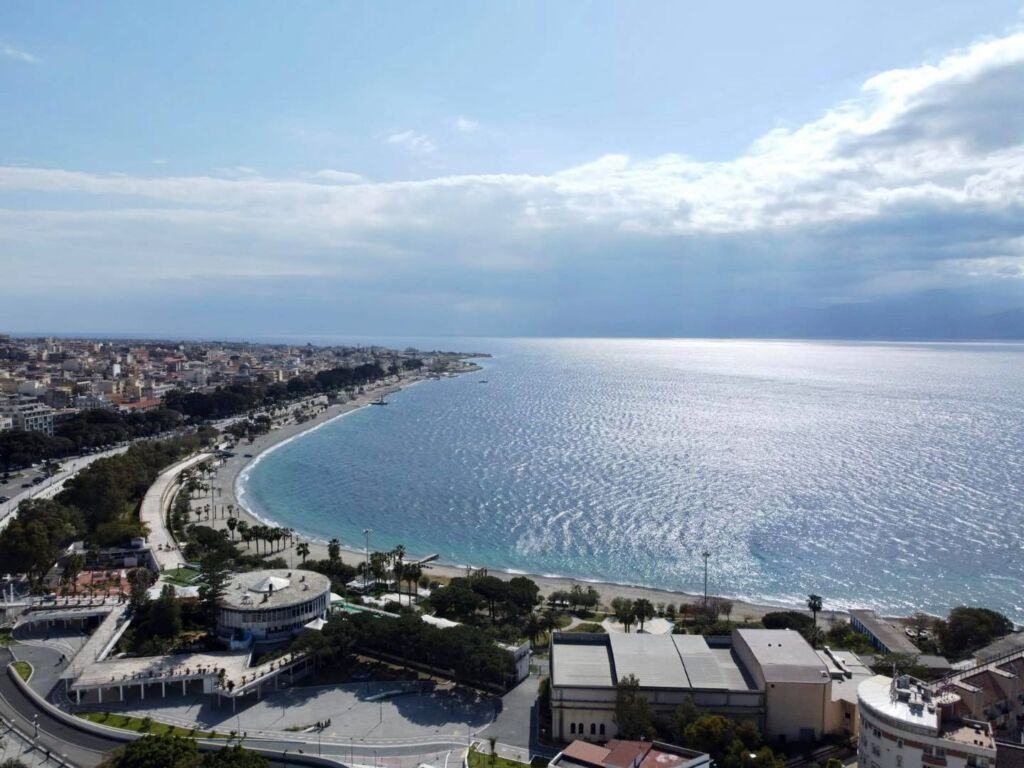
<point>81,748</point>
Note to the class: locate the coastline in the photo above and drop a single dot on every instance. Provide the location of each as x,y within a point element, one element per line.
<point>232,473</point>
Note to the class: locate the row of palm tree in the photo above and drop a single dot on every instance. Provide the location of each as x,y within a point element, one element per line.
<point>267,534</point>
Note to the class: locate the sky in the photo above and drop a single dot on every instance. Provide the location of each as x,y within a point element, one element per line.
<point>219,169</point>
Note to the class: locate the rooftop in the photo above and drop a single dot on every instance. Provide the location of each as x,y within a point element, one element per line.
<point>784,656</point>
<point>657,661</point>
<point>627,754</point>
<point>885,632</point>
<point>259,590</point>
<point>911,704</point>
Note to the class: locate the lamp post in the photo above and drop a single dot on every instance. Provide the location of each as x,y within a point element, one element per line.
<point>366,571</point>
<point>705,554</point>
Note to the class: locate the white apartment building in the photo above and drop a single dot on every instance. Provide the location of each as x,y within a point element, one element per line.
<point>30,415</point>
<point>904,724</point>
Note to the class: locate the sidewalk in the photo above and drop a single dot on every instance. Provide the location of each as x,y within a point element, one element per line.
<point>153,513</point>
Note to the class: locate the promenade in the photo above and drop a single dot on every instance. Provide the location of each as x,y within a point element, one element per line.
<point>153,513</point>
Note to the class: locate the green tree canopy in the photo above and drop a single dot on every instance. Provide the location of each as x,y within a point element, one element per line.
<point>633,714</point>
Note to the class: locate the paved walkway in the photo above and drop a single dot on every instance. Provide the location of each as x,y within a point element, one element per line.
<point>371,713</point>
<point>153,513</point>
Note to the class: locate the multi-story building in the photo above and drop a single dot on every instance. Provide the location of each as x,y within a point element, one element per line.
<point>905,724</point>
<point>272,605</point>
<point>29,415</point>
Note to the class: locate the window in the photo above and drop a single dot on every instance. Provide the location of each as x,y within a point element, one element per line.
<point>602,729</point>
<point>899,743</point>
<point>572,727</point>
<point>593,729</point>
<point>580,727</point>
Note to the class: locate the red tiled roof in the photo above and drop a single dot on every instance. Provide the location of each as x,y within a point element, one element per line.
<point>584,752</point>
<point>623,753</point>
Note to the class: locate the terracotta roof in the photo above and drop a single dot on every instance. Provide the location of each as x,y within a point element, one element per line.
<point>584,752</point>
<point>623,753</point>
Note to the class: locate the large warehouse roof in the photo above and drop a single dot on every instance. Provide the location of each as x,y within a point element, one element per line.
<point>657,661</point>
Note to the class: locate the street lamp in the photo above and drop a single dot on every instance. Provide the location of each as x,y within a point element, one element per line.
<point>705,554</point>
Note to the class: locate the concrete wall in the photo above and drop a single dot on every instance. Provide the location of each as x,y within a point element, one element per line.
<point>596,706</point>
<point>796,711</point>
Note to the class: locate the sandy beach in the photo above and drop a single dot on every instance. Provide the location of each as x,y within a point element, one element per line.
<point>224,493</point>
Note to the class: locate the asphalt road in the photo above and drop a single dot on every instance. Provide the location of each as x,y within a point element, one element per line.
<point>81,748</point>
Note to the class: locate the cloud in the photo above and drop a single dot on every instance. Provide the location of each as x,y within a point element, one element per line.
<point>915,185</point>
<point>465,124</point>
<point>337,177</point>
<point>419,143</point>
<point>17,54</point>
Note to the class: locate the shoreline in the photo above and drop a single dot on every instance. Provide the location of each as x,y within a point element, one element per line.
<point>235,470</point>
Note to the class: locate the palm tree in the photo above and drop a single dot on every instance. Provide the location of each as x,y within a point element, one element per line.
<point>814,603</point>
<point>642,610</point>
<point>333,550</point>
<point>413,572</point>
<point>245,532</point>
<point>398,568</point>
<point>303,550</point>
<point>232,523</point>
<point>534,627</point>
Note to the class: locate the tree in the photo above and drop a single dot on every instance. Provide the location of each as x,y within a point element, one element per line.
<point>398,569</point>
<point>523,595</point>
<point>163,751</point>
<point>533,627</point>
<point>232,524</point>
<point>212,581</point>
<point>139,581</point>
<point>622,608</point>
<point>165,614</point>
<point>729,742</point>
<point>234,756</point>
<point>633,714</point>
<point>643,611</point>
<point>814,604</point>
<point>334,550</point>
<point>802,623</point>
<point>968,629</point>
<point>72,567</point>
<point>303,551</point>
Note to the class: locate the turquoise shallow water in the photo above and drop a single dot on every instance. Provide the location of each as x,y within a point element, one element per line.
<point>889,475</point>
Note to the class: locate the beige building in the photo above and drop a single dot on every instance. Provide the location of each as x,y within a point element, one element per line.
<point>771,678</point>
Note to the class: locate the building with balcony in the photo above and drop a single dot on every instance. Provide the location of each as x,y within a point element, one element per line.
<point>906,724</point>
<point>272,605</point>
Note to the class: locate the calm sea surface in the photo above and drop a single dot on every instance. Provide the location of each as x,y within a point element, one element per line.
<point>889,475</point>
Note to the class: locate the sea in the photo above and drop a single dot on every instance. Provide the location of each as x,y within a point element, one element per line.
<point>883,475</point>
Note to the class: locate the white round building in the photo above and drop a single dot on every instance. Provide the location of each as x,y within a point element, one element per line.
<point>272,605</point>
<point>905,724</point>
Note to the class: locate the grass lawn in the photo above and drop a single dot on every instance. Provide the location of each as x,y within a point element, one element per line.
<point>24,670</point>
<point>589,626</point>
<point>181,577</point>
<point>5,637</point>
<point>139,724</point>
<point>480,760</point>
